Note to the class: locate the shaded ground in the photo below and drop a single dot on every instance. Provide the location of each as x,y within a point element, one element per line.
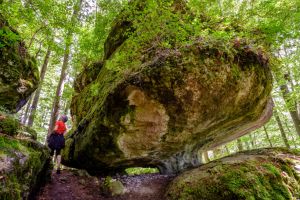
<point>71,185</point>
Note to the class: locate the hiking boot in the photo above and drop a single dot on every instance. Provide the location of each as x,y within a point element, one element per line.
<point>58,171</point>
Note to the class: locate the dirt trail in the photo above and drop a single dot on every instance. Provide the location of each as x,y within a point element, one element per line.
<point>70,186</point>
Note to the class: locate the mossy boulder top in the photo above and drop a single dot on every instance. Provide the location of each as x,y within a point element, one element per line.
<point>163,92</point>
<point>257,174</point>
<point>19,75</point>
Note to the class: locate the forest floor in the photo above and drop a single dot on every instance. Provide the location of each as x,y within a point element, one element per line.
<point>69,185</point>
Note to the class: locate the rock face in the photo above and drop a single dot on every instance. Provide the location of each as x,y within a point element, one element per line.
<point>163,93</point>
<point>24,162</point>
<point>257,174</point>
<point>19,74</point>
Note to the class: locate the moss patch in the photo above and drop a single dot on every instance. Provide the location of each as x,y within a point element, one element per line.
<point>22,163</point>
<point>248,175</point>
<point>9,126</point>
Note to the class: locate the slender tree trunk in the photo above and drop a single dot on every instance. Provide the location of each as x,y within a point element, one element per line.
<point>227,149</point>
<point>33,36</point>
<point>252,141</point>
<point>267,135</point>
<point>68,44</point>
<point>291,134</point>
<point>56,102</point>
<point>240,144</point>
<point>38,91</point>
<point>38,51</point>
<point>292,110</point>
<point>206,157</point>
<point>248,146</point>
<point>288,77</point>
<point>27,111</point>
<point>283,134</point>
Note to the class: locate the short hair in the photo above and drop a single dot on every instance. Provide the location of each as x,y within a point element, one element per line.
<point>63,118</point>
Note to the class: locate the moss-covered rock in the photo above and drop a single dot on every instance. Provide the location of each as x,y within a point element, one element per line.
<point>23,165</point>
<point>165,92</point>
<point>9,125</point>
<point>19,75</point>
<point>259,175</point>
<point>23,161</point>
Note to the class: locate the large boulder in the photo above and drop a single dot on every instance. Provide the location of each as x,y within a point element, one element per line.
<point>165,92</point>
<point>24,162</point>
<point>256,174</point>
<point>19,75</point>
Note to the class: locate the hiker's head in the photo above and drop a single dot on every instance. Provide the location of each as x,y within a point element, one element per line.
<point>63,118</point>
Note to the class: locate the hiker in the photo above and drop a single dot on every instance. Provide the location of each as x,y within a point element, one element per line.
<point>56,140</point>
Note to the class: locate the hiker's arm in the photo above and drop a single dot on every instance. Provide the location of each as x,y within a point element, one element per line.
<point>55,128</point>
<point>66,131</point>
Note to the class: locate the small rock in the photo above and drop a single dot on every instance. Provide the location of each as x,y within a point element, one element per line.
<point>82,181</point>
<point>117,188</point>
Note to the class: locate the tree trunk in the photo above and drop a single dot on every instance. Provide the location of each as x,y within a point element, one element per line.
<point>38,91</point>
<point>240,144</point>
<point>252,141</point>
<point>68,44</point>
<point>206,157</point>
<point>283,134</point>
<point>292,110</point>
<point>227,149</point>
<point>267,135</point>
<point>291,134</point>
<point>247,145</point>
<point>55,105</point>
<point>24,119</point>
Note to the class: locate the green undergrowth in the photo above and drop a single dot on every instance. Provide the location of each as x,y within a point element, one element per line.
<point>141,170</point>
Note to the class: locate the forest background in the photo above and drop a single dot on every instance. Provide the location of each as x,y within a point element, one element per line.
<point>66,35</point>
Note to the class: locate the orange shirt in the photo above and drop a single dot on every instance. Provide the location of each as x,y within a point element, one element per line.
<point>61,127</point>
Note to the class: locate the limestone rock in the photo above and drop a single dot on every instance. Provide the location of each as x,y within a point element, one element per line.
<point>19,75</point>
<point>112,187</point>
<point>24,162</point>
<point>23,167</point>
<point>256,174</point>
<point>158,100</point>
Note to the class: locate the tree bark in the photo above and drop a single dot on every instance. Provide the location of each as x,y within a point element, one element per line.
<point>55,105</point>
<point>38,91</point>
<point>68,44</point>
<point>289,130</point>
<point>267,135</point>
<point>252,141</point>
<point>283,134</point>
<point>24,119</point>
<point>240,144</point>
<point>227,149</point>
<point>206,157</point>
<point>292,110</point>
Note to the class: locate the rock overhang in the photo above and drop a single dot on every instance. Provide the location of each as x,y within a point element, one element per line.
<point>168,104</point>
